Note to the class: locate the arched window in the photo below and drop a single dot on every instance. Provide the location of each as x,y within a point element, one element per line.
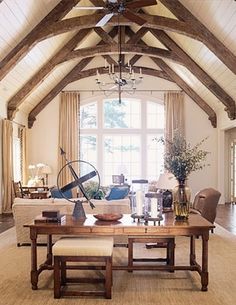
<point>120,138</point>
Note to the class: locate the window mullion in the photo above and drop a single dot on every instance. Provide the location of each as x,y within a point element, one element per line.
<point>100,132</point>
<point>144,140</point>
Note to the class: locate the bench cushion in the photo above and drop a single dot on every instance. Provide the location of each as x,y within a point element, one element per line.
<point>83,246</point>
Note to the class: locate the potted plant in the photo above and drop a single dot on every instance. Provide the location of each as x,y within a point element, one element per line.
<point>91,189</point>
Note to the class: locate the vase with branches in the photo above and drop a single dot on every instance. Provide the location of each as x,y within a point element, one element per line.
<point>181,159</point>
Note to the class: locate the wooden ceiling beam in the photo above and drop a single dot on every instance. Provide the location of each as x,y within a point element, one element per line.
<point>179,81</point>
<point>126,49</point>
<point>76,74</point>
<point>101,70</point>
<point>108,58</point>
<point>57,89</point>
<point>122,42</point>
<point>79,67</point>
<point>134,59</point>
<point>51,26</point>
<point>39,76</point>
<point>135,37</point>
<point>188,90</point>
<point>27,43</point>
<point>90,21</point>
<point>204,35</point>
<point>198,72</point>
<point>105,36</point>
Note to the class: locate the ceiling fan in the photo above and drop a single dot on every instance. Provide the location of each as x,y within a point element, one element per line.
<point>120,7</point>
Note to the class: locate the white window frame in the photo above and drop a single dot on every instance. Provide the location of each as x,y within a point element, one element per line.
<point>99,131</point>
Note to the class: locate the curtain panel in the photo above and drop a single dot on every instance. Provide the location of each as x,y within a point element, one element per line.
<point>24,155</point>
<point>68,130</point>
<point>7,166</point>
<point>174,114</point>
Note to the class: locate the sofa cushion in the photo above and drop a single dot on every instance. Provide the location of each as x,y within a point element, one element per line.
<point>55,193</point>
<point>119,192</point>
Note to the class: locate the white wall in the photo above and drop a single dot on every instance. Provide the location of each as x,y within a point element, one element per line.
<point>198,127</point>
<point>43,139</point>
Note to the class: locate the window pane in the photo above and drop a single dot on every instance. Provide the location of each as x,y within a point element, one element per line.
<point>155,115</point>
<point>155,161</point>
<point>124,115</point>
<point>88,116</point>
<point>122,155</point>
<point>88,149</point>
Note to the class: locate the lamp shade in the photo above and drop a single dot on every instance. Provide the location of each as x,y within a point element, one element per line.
<point>166,181</point>
<point>46,170</point>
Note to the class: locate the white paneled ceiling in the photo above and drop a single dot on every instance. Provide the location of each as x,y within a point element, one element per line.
<point>19,17</point>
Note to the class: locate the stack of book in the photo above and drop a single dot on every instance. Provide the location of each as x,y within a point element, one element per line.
<point>50,217</point>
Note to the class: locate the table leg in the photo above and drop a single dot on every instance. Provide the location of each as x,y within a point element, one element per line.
<point>49,249</point>
<point>204,273</point>
<point>192,251</point>
<point>34,270</point>
<point>130,254</point>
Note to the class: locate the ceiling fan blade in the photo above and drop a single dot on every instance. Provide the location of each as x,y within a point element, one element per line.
<point>141,3</point>
<point>105,19</point>
<point>135,18</point>
<point>89,7</point>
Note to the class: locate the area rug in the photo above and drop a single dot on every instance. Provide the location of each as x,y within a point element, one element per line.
<point>139,287</point>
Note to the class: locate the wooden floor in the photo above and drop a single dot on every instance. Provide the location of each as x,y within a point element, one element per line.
<point>226,217</point>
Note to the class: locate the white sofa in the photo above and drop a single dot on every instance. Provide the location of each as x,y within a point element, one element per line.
<point>25,211</point>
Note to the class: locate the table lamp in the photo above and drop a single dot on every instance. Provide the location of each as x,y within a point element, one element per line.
<point>47,171</point>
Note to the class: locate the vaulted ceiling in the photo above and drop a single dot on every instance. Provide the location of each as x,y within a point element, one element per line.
<point>47,44</point>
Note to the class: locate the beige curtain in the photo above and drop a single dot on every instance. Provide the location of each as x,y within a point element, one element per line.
<point>68,130</point>
<point>7,166</point>
<point>24,155</point>
<point>174,113</point>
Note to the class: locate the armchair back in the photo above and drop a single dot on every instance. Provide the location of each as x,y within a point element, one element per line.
<point>205,202</point>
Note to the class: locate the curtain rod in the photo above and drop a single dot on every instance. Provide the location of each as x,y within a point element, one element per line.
<point>155,90</point>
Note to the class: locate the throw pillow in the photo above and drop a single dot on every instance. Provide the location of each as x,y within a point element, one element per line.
<point>55,193</point>
<point>118,193</point>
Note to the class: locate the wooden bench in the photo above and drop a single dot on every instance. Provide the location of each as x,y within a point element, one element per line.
<point>82,250</point>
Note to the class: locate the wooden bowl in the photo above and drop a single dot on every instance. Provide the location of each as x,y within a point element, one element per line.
<point>108,217</point>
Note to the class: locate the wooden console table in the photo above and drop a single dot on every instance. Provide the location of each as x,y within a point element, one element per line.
<point>195,226</point>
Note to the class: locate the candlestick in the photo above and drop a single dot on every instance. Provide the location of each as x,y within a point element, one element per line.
<point>133,75</point>
<point>153,207</point>
<point>139,202</point>
<point>140,73</point>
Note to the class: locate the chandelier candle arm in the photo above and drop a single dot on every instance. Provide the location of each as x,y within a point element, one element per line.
<point>122,75</point>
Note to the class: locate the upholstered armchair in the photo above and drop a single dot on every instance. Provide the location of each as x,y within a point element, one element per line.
<point>205,202</point>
